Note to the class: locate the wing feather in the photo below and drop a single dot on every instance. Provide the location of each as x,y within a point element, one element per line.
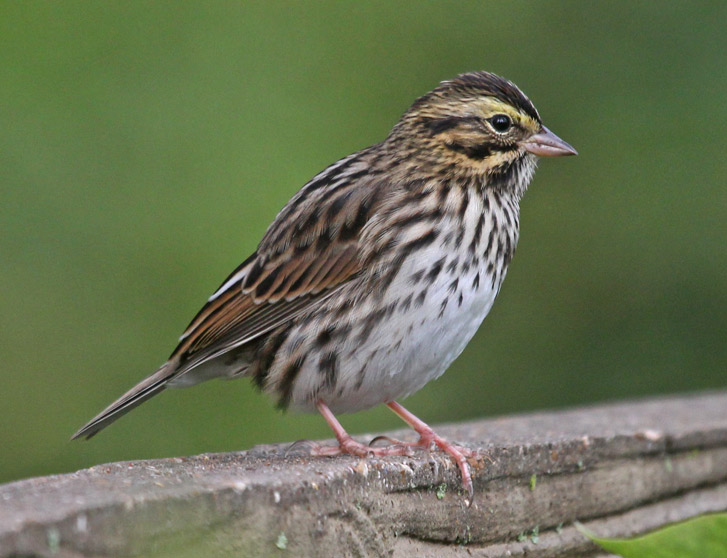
<point>302,260</point>
<point>317,245</point>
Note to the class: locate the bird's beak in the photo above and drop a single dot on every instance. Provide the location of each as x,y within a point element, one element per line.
<point>546,144</point>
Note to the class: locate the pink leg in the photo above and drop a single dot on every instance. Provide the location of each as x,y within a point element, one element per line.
<point>348,445</point>
<point>427,439</point>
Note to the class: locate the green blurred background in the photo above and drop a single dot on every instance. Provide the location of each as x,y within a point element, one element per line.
<point>145,146</point>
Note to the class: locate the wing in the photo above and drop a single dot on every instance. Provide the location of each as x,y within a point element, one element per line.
<point>268,293</point>
<point>312,249</point>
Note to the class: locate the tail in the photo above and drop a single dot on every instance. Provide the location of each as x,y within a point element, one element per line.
<point>142,391</point>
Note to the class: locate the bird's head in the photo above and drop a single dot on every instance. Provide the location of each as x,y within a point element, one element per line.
<point>478,123</point>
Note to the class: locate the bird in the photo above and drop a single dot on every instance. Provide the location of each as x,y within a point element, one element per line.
<point>377,273</point>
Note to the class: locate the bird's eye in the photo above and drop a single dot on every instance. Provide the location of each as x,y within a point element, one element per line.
<point>501,123</point>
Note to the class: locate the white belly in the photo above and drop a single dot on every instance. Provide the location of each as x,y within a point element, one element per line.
<point>416,342</point>
<point>415,347</point>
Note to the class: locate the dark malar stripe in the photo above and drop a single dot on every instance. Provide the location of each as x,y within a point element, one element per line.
<point>505,177</point>
<point>481,152</point>
<point>476,152</point>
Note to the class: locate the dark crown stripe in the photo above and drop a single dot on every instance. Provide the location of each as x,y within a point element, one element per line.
<point>485,83</point>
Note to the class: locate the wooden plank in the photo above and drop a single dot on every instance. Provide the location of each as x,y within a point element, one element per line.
<point>620,469</point>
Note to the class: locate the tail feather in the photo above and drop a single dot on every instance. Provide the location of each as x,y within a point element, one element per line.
<point>142,391</point>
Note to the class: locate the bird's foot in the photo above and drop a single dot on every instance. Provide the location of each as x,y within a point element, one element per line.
<point>458,453</point>
<point>347,445</point>
<point>429,440</point>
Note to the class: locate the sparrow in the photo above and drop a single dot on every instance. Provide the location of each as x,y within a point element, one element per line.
<point>377,273</point>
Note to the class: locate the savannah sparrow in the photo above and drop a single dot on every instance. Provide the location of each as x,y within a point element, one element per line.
<point>377,273</point>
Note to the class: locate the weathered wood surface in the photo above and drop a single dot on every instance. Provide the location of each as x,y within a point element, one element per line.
<point>620,469</point>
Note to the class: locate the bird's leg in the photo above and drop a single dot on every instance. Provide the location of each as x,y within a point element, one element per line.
<point>428,439</point>
<point>346,444</point>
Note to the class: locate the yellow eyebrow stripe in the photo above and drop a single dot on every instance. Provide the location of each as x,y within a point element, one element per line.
<point>489,106</point>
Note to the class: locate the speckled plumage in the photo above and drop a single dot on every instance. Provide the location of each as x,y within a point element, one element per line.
<point>378,272</point>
